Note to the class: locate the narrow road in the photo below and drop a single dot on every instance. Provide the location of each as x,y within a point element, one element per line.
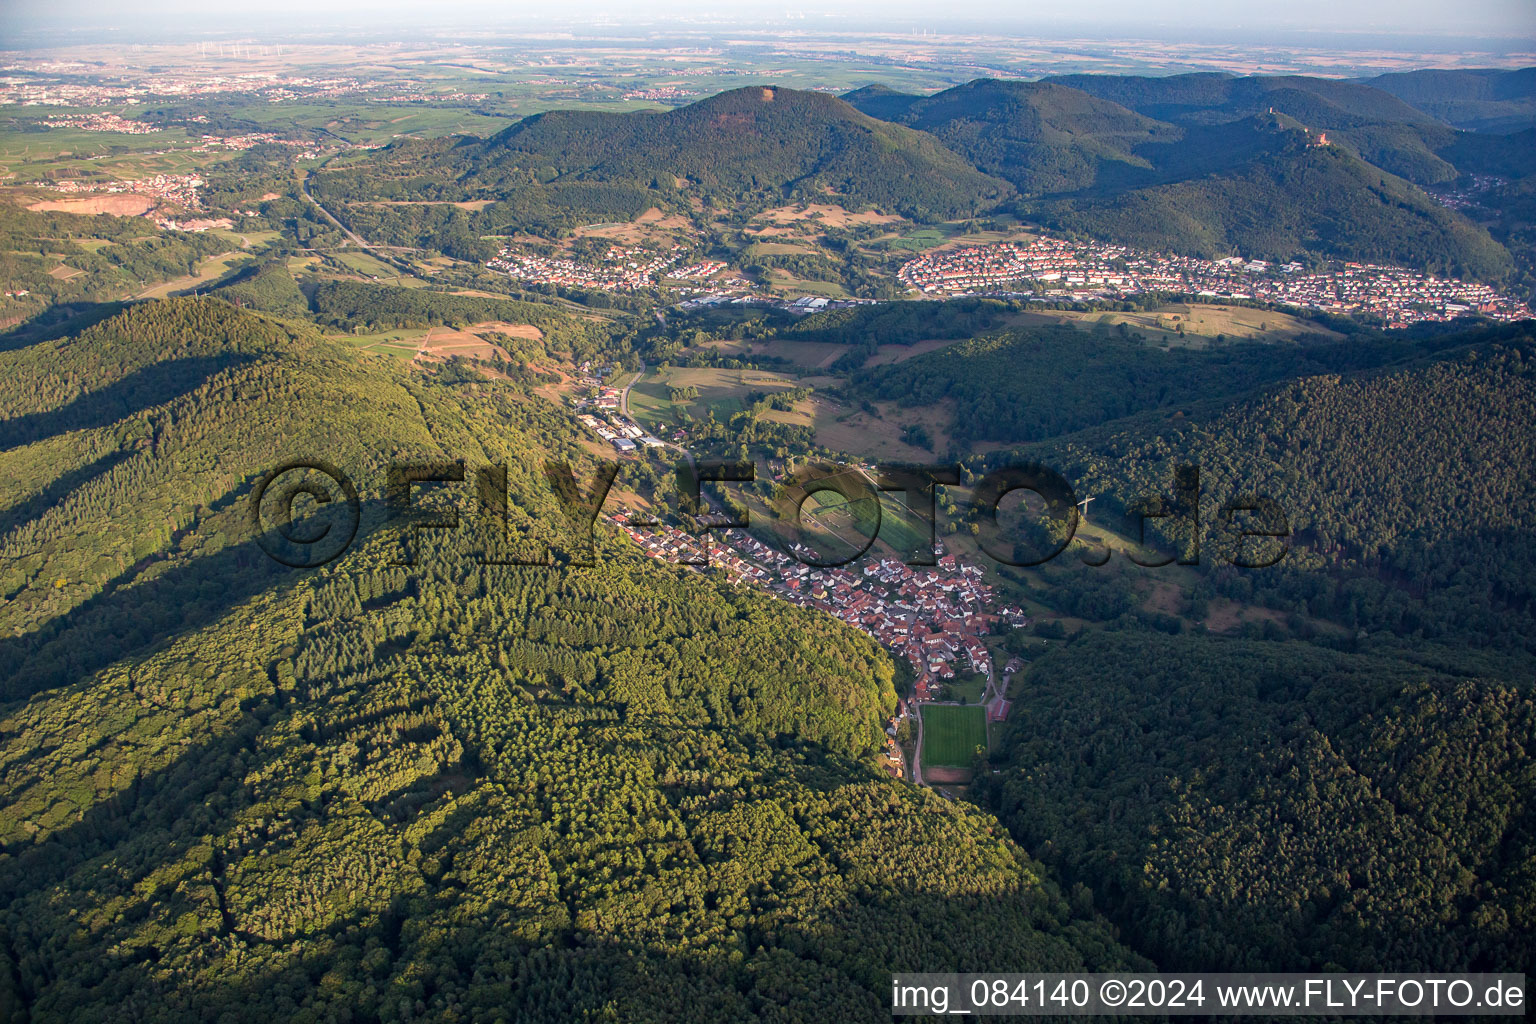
<point>355,239</point>
<point>917,752</point>
<point>624,411</point>
<point>624,395</point>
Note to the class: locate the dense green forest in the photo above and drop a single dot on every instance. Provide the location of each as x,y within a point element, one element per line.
<point>744,149</point>
<point>1246,806</point>
<point>1297,199</point>
<point>1043,138</point>
<point>267,286</point>
<point>1033,383</point>
<point>1357,800</point>
<point>1476,99</point>
<point>67,257</point>
<point>1374,124</point>
<point>1407,522</point>
<point>370,791</point>
<point>419,780</point>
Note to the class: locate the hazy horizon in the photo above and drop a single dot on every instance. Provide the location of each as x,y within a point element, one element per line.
<point>1495,25</point>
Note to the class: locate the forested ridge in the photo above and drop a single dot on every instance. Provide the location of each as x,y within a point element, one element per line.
<point>1197,164</point>
<point>1358,800</point>
<point>1041,137</point>
<point>1210,164</point>
<point>235,791</point>
<point>1246,806</point>
<point>1476,99</point>
<point>67,257</point>
<point>1406,487</point>
<point>740,150</point>
<point>1032,383</point>
<point>1296,200</point>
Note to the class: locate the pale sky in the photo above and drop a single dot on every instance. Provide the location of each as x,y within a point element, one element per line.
<point>1496,19</point>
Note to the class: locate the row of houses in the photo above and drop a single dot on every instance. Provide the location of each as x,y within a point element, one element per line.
<point>1081,271</point>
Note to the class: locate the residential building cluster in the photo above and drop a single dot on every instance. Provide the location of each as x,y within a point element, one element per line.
<point>621,268</point>
<point>1086,271</point>
<point>75,85</point>
<point>249,140</point>
<point>102,123</point>
<point>935,617</point>
<point>436,97</point>
<point>35,92</point>
<point>180,189</point>
<point>664,92</point>
<point>626,436</point>
<point>1465,194</point>
<point>697,271</point>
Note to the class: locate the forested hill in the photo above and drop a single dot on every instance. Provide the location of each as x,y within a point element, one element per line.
<point>1477,99</point>
<point>1211,164</point>
<point>231,790</point>
<point>1202,165</point>
<point>1292,198</point>
<point>1374,124</point>
<point>1357,801</point>
<point>1211,95</point>
<point>1034,383</point>
<point>1043,138</point>
<point>1246,806</point>
<point>738,150</point>
<point>751,141</point>
<point>741,151</point>
<point>1407,488</point>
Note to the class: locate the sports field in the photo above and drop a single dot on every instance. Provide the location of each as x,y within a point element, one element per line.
<point>951,734</point>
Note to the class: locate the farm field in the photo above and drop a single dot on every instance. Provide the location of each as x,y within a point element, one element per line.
<point>845,429</point>
<point>888,354</point>
<point>778,249</point>
<point>247,239</point>
<point>944,236</point>
<point>835,526</point>
<point>367,265</point>
<point>788,285</point>
<point>811,355</point>
<point>1204,325</point>
<point>812,215</point>
<point>478,341</point>
<point>211,269</point>
<point>852,522</point>
<point>820,355</point>
<point>29,156</point>
<point>720,391</point>
<point>403,342</point>
<point>917,241</point>
<point>118,205</point>
<point>900,528</point>
<point>951,734</point>
<point>367,123</point>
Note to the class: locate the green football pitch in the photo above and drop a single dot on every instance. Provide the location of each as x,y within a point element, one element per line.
<point>951,734</point>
